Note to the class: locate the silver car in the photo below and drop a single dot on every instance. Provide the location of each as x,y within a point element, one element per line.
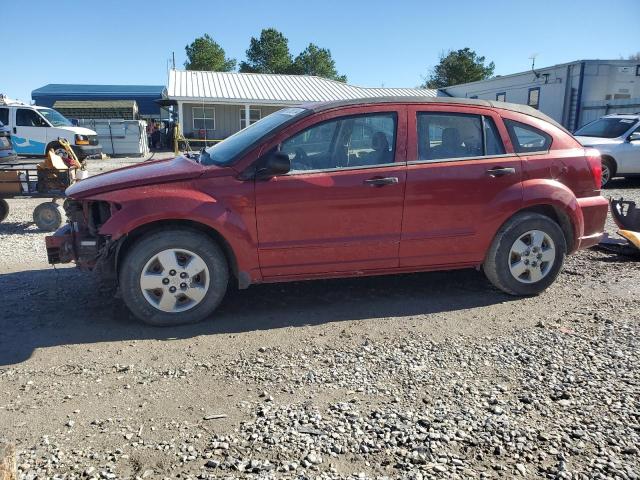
<point>617,137</point>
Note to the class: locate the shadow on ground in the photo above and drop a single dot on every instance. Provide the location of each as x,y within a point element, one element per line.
<point>43,308</point>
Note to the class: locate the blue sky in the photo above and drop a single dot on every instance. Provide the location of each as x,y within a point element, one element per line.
<point>390,43</point>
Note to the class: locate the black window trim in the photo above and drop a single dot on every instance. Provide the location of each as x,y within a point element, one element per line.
<point>501,93</point>
<point>393,113</point>
<point>508,123</point>
<point>459,159</point>
<point>537,105</point>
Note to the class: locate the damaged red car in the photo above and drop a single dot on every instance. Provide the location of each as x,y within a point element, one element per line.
<point>351,188</point>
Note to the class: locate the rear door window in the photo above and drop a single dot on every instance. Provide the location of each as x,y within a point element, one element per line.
<point>527,139</point>
<point>4,116</point>
<point>443,136</point>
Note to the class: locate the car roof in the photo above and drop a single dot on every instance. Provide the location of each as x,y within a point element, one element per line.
<point>513,107</point>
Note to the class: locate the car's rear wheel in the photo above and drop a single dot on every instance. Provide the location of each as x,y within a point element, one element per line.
<point>526,255</point>
<point>4,209</point>
<point>174,277</point>
<point>608,171</point>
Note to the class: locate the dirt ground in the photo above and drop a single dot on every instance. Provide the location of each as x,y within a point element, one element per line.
<point>434,375</point>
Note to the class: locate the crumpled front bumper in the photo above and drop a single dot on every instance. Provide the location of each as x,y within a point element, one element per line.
<point>66,246</point>
<point>60,245</point>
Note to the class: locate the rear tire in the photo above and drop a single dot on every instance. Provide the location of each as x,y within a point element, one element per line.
<point>526,255</point>
<point>173,277</point>
<point>4,209</point>
<point>48,216</point>
<point>608,171</point>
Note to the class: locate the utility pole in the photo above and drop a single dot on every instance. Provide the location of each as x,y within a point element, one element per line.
<point>173,56</point>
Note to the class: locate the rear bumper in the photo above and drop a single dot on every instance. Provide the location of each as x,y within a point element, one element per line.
<point>594,212</point>
<point>84,151</point>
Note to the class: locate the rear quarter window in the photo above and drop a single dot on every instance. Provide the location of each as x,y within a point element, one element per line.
<point>527,139</point>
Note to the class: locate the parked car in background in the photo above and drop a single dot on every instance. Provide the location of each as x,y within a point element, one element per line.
<point>617,138</point>
<point>352,188</point>
<point>6,149</point>
<point>36,129</point>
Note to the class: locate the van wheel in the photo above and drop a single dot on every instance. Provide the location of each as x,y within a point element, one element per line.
<point>608,171</point>
<point>173,277</point>
<point>4,209</point>
<point>526,255</point>
<point>48,216</point>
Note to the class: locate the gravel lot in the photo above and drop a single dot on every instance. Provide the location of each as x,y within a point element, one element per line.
<point>432,375</point>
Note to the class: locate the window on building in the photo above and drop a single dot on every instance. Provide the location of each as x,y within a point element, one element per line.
<point>204,121</point>
<point>356,141</point>
<point>533,99</point>
<point>4,116</point>
<point>444,136</point>
<point>501,97</point>
<point>527,139</point>
<point>254,115</point>
<point>25,117</point>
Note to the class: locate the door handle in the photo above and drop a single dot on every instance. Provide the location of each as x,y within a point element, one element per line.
<point>500,171</point>
<point>381,182</point>
<point>15,130</point>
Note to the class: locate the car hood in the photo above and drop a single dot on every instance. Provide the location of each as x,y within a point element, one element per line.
<point>145,173</point>
<point>595,141</point>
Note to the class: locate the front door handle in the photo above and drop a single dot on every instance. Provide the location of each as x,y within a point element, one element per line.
<point>500,171</point>
<point>380,182</point>
<point>15,130</point>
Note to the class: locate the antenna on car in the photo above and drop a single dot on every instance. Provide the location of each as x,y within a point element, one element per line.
<point>533,64</point>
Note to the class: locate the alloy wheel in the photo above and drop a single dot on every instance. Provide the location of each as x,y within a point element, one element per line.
<point>531,257</point>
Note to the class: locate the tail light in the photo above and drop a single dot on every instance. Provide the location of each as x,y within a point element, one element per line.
<point>595,164</point>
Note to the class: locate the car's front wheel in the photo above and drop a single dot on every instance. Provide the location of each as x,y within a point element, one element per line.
<point>173,277</point>
<point>526,255</point>
<point>608,171</point>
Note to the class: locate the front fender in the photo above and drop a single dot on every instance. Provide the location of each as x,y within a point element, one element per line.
<point>232,218</point>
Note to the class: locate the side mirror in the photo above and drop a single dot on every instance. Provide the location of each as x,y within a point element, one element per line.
<point>276,163</point>
<point>634,137</point>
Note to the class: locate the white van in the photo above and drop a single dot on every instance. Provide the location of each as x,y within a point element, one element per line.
<point>35,130</point>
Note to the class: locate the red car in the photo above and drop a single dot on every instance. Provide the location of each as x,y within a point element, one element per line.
<point>351,188</point>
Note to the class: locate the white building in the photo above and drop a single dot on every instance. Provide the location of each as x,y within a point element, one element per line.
<point>571,93</point>
<point>214,105</point>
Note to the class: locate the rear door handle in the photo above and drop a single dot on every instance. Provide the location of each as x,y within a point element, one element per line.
<point>380,182</point>
<point>501,171</point>
<point>15,130</point>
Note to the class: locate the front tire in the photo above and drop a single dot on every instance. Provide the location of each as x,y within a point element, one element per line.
<point>173,277</point>
<point>526,255</point>
<point>4,209</point>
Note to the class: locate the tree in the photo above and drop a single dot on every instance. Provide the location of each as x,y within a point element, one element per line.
<point>635,56</point>
<point>459,66</point>
<point>205,54</point>
<point>317,61</point>
<point>268,54</point>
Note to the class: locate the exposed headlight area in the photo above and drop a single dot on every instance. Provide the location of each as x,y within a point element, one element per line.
<point>82,139</point>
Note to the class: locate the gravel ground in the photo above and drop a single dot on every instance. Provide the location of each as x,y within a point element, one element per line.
<point>432,375</point>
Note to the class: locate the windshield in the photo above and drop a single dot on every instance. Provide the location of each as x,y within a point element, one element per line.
<point>226,151</point>
<point>606,127</point>
<point>54,118</point>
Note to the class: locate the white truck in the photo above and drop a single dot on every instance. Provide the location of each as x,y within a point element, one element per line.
<point>35,130</point>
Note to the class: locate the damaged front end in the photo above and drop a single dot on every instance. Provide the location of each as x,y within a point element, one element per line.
<point>80,240</point>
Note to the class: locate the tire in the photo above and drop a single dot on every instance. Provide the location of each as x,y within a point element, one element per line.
<point>193,298</point>
<point>4,209</point>
<point>539,262</point>
<point>48,216</point>
<point>608,171</point>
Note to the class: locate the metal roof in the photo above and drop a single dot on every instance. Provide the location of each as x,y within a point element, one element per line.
<point>154,91</point>
<point>271,89</point>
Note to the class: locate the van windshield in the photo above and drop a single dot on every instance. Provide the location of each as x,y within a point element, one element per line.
<point>55,118</point>
<point>227,151</point>
<point>606,128</point>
